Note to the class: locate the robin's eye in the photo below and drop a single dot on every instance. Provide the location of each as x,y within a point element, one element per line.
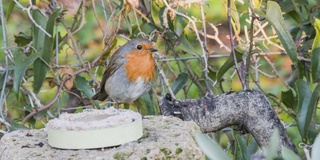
<point>139,47</point>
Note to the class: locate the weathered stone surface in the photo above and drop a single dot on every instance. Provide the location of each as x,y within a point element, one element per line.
<point>163,137</point>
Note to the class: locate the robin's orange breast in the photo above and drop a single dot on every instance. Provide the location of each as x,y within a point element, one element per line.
<point>140,64</point>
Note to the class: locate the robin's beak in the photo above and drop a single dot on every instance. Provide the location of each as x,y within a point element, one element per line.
<point>153,50</point>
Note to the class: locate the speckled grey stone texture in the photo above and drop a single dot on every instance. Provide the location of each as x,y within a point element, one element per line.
<point>163,138</point>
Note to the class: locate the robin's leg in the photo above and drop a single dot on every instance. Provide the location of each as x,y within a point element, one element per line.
<point>117,104</point>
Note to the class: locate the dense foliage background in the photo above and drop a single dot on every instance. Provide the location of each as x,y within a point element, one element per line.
<point>54,55</point>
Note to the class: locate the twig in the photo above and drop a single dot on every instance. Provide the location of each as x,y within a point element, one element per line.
<point>204,26</point>
<point>194,78</point>
<point>263,73</point>
<point>232,48</point>
<point>30,16</point>
<point>266,37</point>
<point>74,45</point>
<point>216,37</point>
<point>57,63</point>
<point>165,80</point>
<point>192,57</point>
<point>6,74</point>
<point>104,9</point>
<point>137,22</point>
<point>96,15</point>
<point>47,106</point>
<point>248,60</point>
<point>83,19</point>
<point>277,73</point>
<point>141,14</point>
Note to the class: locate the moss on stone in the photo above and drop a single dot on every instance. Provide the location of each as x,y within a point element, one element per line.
<point>178,150</point>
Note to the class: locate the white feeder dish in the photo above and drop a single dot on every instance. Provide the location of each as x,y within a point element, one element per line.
<point>94,129</point>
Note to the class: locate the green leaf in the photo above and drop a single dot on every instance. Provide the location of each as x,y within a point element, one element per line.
<point>17,126</point>
<point>271,151</point>
<point>22,39</point>
<point>186,46</point>
<point>106,54</point>
<point>287,5</point>
<point>304,96</point>
<point>295,15</point>
<point>82,85</point>
<point>256,3</point>
<point>315,53</point>
<point>242,148</point>
<point>288,99</point>
<point>38,43</point>
<point>274,17</point>
<point>141,105</point>
<point>10,8</point>
<point>230,63</point>
<point>22,63</point>
<point>262,46</point>
<point>210,148</point>
<point>294,76</point>
<point>179,24</point>
<point>40,65</point>
<point>126,19</point>
<point>156,13</point>
<point>149,104</point>
<point>235,16</point>
<point>179,82</point>
<point>38,35</point>
<point>259,12</point>
<point>48,41</point>
<point>315,153</point>
<point>253,147</point>
<point>289,154</point>
<point>212,74</point>
<point>312,107</point>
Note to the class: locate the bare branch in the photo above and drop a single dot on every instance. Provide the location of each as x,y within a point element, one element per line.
<point>250,110</point>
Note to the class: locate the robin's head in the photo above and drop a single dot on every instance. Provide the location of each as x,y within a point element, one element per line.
<point>139,61</point>
<point>140,46</point>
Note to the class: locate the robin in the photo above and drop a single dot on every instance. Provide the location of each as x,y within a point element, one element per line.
<point>129,73</point>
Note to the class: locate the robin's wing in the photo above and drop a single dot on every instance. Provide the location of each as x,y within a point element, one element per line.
<point>115,63</point>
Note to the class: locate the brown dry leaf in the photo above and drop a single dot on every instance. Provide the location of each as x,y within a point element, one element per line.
<point>71,6</point>
<point>134,3</point>
<point>74,100</point>
<point>66,72</point>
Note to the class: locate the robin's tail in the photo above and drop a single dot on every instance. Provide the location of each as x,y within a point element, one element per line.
<point>100,96</point>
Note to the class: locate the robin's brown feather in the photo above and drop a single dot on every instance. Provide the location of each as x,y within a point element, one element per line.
<point>140,64</point>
